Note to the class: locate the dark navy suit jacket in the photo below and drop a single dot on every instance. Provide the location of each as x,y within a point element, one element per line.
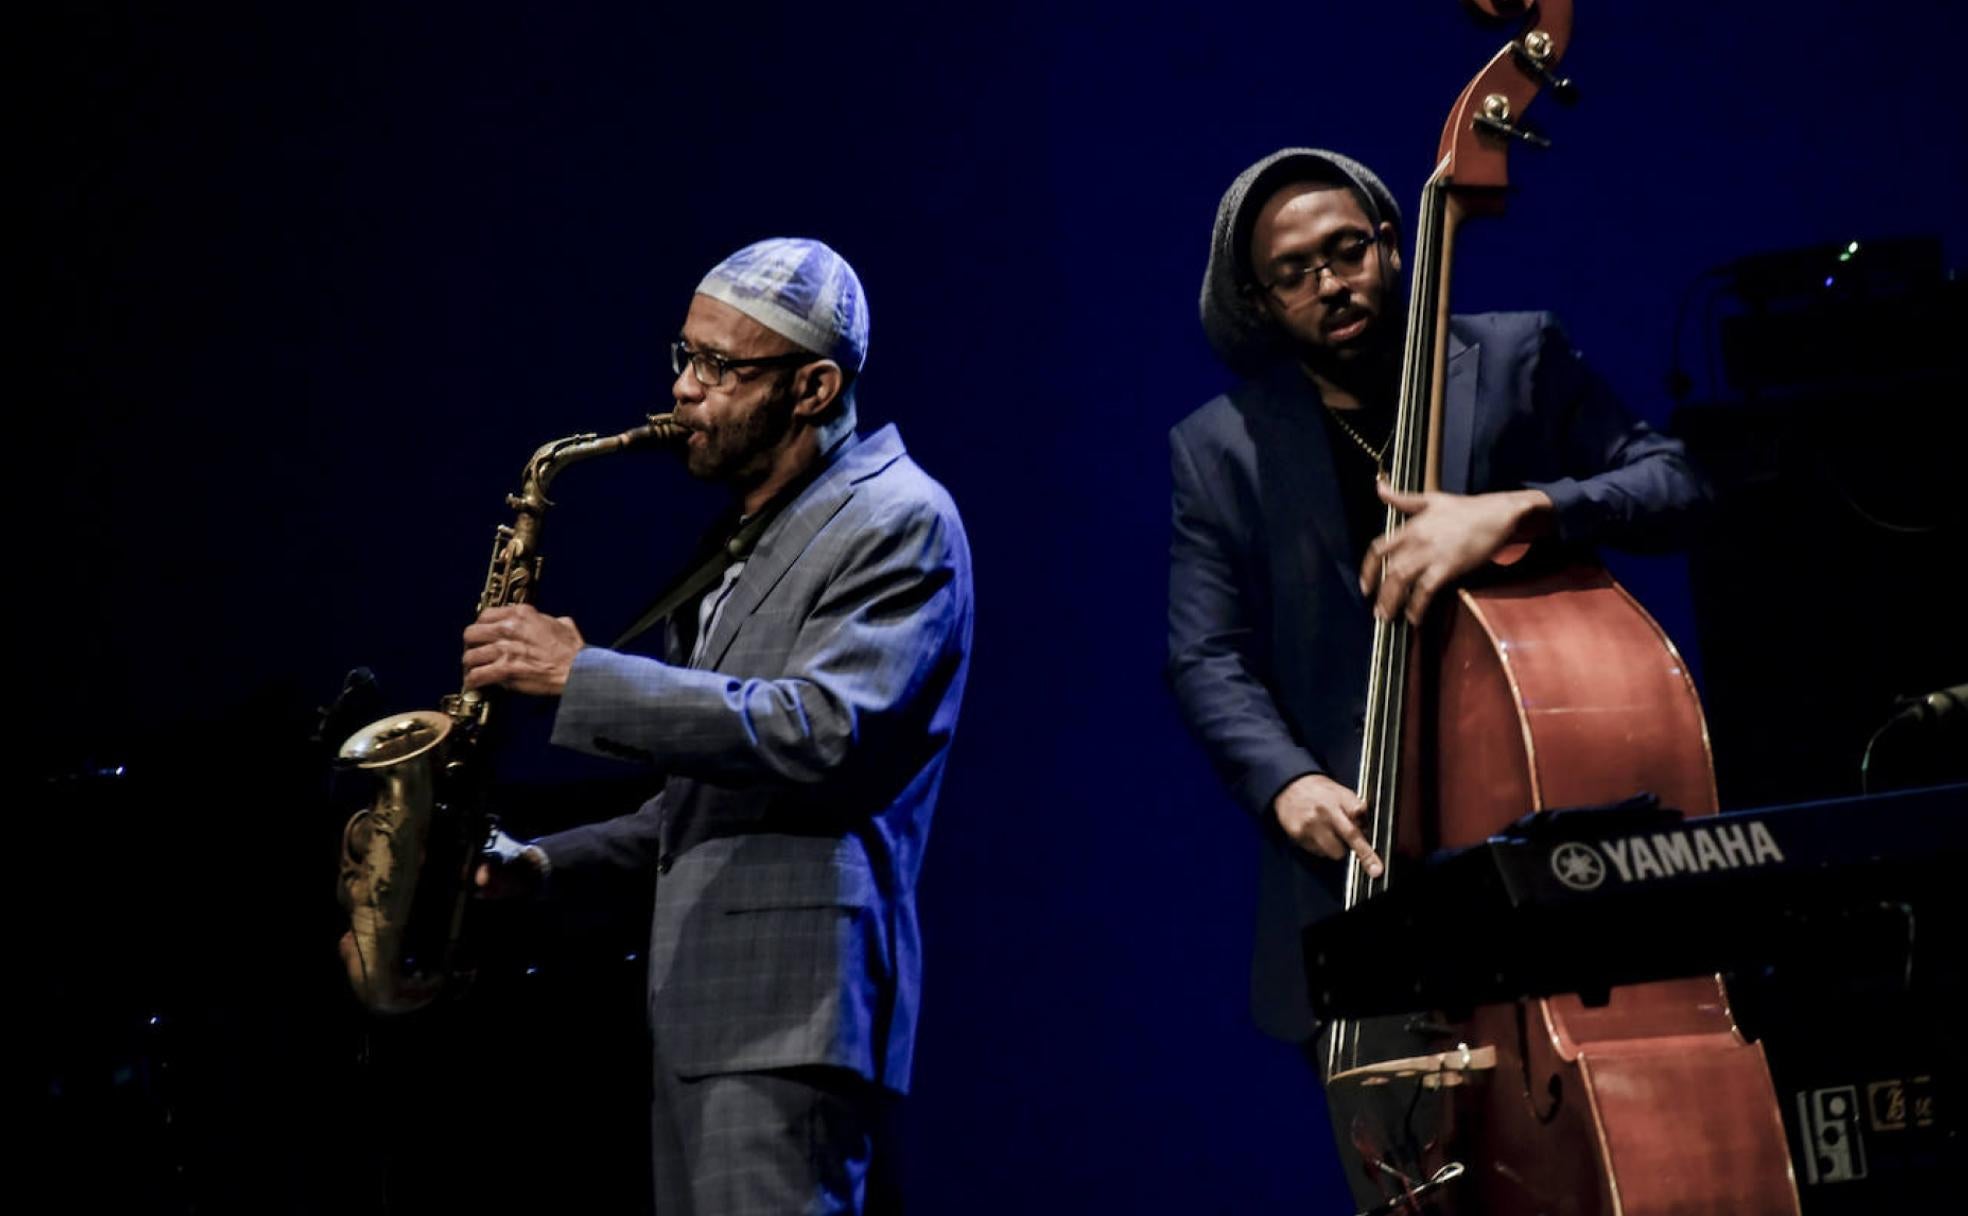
<point>1269,635</point>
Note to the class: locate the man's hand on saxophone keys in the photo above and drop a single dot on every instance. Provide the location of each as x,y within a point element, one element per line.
<point>519,647</point>
<point>510,869</point>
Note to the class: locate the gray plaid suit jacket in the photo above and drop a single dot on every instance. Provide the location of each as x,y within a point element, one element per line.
<point>802,764</point>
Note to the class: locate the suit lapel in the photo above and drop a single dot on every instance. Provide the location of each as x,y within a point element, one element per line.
<point>788,536</point>
<point>1459,416</point>
<point>1303,486</point>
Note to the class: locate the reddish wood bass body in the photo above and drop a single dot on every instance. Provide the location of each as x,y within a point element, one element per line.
<point>1553,691</point>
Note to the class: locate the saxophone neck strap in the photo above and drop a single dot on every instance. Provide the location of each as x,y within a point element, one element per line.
<point>736,548</point>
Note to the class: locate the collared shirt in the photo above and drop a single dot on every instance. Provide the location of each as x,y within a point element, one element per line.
<point>713,603</point>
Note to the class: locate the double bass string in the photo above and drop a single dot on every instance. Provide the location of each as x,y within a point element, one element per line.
<point>1379,773</point>
<point>1381,750</point>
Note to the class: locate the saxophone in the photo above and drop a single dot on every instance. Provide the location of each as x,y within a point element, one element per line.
<point>408,858</point>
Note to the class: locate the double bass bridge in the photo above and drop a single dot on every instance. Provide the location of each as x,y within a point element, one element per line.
<point>1439,1070</point>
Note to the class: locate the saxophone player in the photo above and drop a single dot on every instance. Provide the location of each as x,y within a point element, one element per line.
<point>801,712</point>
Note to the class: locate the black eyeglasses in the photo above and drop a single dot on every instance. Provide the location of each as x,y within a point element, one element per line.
<point>1299,279</point>
<point>714,370</point>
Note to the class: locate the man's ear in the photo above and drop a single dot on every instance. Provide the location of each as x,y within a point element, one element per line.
<point>1391,237</point>
<point>818,387</point>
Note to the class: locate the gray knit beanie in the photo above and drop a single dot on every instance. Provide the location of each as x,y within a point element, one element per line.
<point>1240,333</point>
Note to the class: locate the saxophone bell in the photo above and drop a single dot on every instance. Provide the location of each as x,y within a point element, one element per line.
<point>386,866</point>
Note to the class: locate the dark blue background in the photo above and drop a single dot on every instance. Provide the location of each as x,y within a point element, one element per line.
<point>308,283</point>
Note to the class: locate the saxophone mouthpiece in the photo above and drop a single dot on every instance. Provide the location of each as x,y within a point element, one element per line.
<point>665,426</point>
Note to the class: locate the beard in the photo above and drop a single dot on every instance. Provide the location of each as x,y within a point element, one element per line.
<point>1367,361</point>
<point>740,450</point>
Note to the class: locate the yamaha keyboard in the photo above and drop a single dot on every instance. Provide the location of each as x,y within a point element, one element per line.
<point>1867,890</point>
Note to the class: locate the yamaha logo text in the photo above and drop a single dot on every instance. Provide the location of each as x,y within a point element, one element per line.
<point>1696,850</point>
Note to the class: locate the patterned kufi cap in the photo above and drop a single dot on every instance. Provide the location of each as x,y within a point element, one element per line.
<point>801,290</point>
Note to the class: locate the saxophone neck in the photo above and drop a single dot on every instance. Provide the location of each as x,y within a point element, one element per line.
<point>550,458</point>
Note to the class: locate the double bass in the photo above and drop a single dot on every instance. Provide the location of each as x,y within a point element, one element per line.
<point>1543,686</point>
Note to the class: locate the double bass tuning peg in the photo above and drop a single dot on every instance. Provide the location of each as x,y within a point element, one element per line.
<point>1495,116</point>
<point>1532,53</point>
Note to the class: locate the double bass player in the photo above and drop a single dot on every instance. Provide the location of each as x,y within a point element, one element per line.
<point>1277,558</point>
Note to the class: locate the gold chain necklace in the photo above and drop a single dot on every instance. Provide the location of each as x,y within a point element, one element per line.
<point>1372,453</point>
